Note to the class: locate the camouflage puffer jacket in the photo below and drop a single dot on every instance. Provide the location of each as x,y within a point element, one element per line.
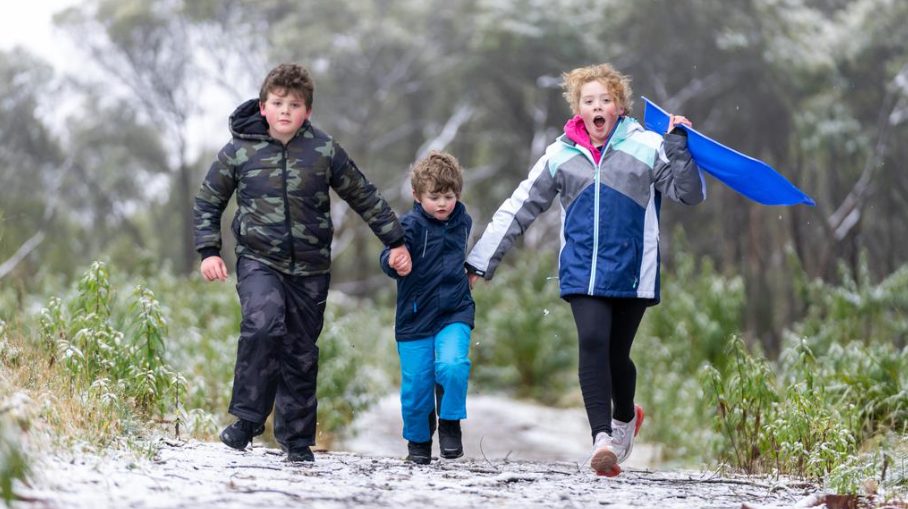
<point>283,218</point>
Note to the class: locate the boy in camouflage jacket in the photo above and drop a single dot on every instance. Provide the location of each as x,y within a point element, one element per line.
<point>281,168</point>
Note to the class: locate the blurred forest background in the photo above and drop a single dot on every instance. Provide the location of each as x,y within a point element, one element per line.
<point>102,164</point>
<point>817,88</point>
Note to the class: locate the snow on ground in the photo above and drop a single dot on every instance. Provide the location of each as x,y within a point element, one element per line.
<point>517,455</point>
<point>204,475</point>
<point>496,428</point>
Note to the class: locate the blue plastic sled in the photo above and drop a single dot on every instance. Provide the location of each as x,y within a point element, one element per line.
<point>750,177</point>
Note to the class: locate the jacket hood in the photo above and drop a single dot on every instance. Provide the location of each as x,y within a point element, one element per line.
<point>247,122</point>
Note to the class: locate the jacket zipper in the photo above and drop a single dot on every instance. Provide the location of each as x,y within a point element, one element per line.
<point>595,259</point>
<point>287,220</point>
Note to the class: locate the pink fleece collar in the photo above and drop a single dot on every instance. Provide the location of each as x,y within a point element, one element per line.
<point>576,132</point>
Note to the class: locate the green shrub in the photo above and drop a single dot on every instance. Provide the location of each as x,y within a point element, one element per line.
<point>525,341</point>
<point>879,471</point>
<point>810,434</point>
<point>856,310</point>
<point>117,362</point>
<point>743,398</point>
<point>809,415</point>
<point>689,329</point>
<point>355,365</point>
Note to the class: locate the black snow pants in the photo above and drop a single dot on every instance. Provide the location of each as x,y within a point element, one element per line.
<point>277,358</point>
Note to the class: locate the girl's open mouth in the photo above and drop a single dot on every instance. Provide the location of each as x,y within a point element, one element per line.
<point>599,121</point>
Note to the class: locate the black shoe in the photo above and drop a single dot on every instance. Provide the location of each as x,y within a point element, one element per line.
<point>449,439</point>
<point>239,434</point>
<point>300,454</point>
<point>420,452</point>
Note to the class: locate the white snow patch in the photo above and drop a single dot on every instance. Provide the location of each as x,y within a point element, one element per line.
<point>205,475</point>
<point>496,428</point>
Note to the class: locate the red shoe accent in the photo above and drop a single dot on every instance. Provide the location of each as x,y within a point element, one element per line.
<point>614,472</point>
<point>638,412</point>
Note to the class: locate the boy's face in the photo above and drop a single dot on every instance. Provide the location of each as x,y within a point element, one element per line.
<point>437,204</point>
<point>599,111</point>
<point>285,113</point>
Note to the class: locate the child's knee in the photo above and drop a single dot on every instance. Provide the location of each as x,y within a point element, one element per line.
<point>456,369</point>
<point>264,323</point>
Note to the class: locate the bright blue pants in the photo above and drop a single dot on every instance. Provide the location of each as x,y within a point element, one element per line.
<point>441,359</point>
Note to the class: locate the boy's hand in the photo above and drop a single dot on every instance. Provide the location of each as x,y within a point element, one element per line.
<point>399,260</point>
<point>472,278</point>
<point>214,268</point>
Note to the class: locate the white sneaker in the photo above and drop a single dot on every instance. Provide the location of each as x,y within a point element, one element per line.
<point>603,460</point>
<point>623,434</point>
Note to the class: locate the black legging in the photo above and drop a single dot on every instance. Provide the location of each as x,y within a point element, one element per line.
<point>605,330</point>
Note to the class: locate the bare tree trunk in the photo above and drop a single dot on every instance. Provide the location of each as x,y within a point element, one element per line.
<point>187,260</point>
<point>758,307</point>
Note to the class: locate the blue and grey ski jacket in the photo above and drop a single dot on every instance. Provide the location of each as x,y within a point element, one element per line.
<point>610,209</point>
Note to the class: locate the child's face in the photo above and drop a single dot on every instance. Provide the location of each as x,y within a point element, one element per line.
<point>285,113</point>
<point>599,111</point>
<point>437,204</point>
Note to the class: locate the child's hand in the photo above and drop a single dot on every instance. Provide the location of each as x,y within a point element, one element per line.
<point>675,120</point>
<point>214,268</point>
<point>472,278</point>
<point>399,260</point>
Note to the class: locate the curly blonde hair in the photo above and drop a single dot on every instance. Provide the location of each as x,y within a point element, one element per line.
<point>438,172</point>
<point>619,85</point>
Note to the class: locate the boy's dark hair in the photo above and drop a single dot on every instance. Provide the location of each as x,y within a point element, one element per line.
<point>438,172</point>
<point>291,78</point>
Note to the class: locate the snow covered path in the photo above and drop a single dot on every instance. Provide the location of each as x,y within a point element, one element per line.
<point>203,475</point>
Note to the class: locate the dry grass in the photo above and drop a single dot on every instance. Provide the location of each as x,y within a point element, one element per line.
<point>43,399</point>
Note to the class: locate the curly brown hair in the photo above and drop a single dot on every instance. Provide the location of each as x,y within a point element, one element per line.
<point>618,85</point>
<point>438,172</point>
<point>290,78</point>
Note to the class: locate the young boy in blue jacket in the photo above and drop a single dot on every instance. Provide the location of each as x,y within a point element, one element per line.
<point>434,310</point>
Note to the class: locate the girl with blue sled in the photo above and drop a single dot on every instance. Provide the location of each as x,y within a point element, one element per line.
<point>609,175</point>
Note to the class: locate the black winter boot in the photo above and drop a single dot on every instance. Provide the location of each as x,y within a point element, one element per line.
<point>300,454</point>
<point>449,436</point>
<point>239,434</point>
<point>449,439</point>
<point>419,452</point>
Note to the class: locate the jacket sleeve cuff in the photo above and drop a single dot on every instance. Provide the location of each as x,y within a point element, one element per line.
<point>396,243</point>
<point>208,252</point>
<point>679,132</point>
<point>473,270</point>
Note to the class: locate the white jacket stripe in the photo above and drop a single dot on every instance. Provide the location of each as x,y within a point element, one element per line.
<point>532,197</point>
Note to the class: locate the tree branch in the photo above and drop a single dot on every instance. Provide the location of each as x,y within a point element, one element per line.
<point>848,214</point>
<point>35,240</point>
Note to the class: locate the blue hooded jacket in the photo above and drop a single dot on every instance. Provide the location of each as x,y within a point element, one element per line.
<point>436,293</point>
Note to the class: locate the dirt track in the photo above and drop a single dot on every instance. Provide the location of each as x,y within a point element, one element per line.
<point>203,475</point>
